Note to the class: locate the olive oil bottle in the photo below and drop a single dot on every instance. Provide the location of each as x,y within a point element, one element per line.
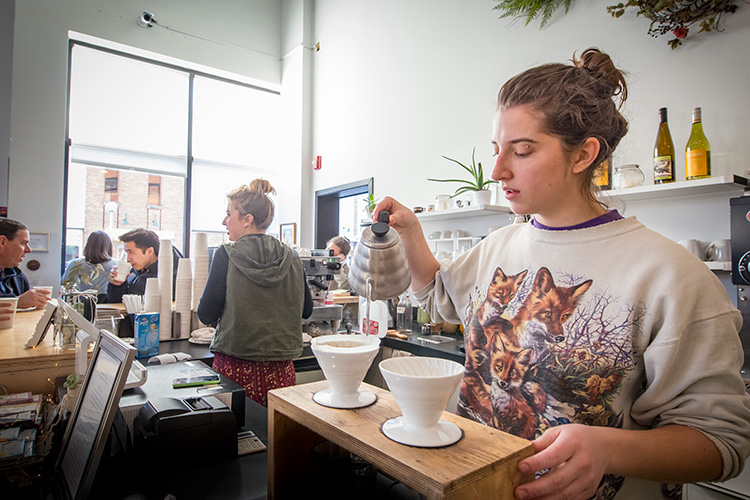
<point>697,151</point>
<point>663,152</point>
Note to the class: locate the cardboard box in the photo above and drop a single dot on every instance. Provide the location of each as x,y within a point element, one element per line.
<point>146,333</point>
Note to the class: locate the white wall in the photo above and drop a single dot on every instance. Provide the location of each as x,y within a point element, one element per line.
<point>236,36</point>
<point>7,7</point>
<point>398,84</point>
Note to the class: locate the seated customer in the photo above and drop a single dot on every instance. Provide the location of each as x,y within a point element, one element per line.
<point>91,270</point>
<point>14,245</point>
<point>142,249</point>
<point>340,247</point>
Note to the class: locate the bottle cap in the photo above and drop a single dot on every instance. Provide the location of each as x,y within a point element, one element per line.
<point>696,114</point>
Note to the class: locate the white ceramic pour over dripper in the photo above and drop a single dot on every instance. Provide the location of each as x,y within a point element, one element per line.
<point>422,387</point>
<point>345,360</point>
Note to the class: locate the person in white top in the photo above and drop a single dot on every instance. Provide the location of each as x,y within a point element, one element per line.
<point>611,347</point>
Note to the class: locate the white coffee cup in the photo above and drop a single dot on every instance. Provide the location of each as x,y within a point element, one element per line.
<point>13,301</point>
<point>123,269</point>
<point>719,251</point>
<point>694,247</point>
<point>46,289</point>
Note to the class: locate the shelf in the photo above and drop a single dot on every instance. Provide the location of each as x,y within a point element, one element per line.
<point>459,213</point>
<point>730,184</point>
<point>719,266</point>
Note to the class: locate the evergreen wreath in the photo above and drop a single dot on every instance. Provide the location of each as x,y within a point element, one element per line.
<point>666,16</point>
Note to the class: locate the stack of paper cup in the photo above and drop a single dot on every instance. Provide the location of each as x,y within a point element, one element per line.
<point>151,298</point>
<point>183,295</point>
<point>166,265</point>
<point>200,267</point>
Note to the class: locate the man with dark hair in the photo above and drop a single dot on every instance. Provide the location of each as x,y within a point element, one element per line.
<point>14,245</point>
<point>142,249</point>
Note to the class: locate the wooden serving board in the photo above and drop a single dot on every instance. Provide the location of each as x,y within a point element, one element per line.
<point>483,464</point>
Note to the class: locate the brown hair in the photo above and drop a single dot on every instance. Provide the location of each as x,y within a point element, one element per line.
<point>143,239</point>
<point>575,102</point>
<point>342,243</point>
<point>252,199</point>
<point>98,249</point>
<point>9,227</point>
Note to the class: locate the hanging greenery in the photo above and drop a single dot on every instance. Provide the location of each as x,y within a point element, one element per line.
<point>666,16</point>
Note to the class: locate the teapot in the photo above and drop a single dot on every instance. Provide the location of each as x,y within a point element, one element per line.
<point>379,269</point>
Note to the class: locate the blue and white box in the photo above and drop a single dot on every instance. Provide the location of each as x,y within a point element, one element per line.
<point>146,334</point>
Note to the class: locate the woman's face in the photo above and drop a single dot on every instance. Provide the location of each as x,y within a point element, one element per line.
<point>236,223</point>
<point>336,250</point>
<point>537,175</point>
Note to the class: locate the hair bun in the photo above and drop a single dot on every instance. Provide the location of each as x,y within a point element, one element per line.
<point>608,78</point>
<point>261,186</point>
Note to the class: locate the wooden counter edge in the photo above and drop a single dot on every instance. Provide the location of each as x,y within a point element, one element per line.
<point>292,429</point>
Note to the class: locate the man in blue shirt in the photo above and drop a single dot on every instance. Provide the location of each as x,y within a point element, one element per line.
<point>14,245</point>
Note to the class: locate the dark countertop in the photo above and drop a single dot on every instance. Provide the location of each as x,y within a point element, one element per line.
<point>448,350</point>
<point>306,361</point>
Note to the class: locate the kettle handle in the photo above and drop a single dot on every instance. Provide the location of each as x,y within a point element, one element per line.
<point>381,226</point>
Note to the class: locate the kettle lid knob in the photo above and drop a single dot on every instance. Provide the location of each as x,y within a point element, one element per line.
<point>381,227</point>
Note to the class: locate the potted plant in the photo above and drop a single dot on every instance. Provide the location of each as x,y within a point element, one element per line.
<point>477,185</point>
<point>370,203</point>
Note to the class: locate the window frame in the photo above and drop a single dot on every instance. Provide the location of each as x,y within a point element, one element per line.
<point>191,74</point>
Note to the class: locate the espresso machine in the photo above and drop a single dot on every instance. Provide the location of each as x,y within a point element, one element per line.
<point>740,232</point>
<point>320,267</point>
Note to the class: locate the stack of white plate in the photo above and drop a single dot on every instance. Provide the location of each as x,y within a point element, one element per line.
<point>183,296</point>
<point>166,265</point>
<point>200,268</point>
<point>151,298</point>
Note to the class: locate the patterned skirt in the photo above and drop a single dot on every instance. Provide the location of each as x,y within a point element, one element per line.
<point>257,377</point>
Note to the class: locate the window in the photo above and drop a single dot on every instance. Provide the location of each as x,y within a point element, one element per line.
<point>136,159</point>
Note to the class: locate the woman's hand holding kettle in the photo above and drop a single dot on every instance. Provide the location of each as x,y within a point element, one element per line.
<point>422,263</point>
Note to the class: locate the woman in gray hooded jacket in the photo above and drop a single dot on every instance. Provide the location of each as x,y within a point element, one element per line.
<point>257,295</point>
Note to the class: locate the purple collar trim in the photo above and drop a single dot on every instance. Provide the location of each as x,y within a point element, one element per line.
<point>610,216</point>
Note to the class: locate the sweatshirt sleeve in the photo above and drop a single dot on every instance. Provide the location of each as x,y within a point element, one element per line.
<point>215,292</point>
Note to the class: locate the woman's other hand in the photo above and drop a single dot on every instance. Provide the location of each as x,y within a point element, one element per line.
<point>576,460</point>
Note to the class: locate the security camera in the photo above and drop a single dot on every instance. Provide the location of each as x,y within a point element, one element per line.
<point>145,20</point>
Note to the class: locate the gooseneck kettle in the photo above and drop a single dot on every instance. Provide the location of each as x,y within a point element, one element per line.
<point>379,269</point>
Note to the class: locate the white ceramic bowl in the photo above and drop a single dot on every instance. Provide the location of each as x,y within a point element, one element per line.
<point>422,387</point>
<point>345,360</point>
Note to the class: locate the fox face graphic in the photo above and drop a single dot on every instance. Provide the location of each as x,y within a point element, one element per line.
<point>541,316</point>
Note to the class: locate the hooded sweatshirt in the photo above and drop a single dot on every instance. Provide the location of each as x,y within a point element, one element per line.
<point>265,294</point>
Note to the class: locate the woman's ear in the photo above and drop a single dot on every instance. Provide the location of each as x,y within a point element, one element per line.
<point>249,220</point>
<point>586,155</point>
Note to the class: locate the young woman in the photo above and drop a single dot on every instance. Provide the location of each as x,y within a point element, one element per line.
<point>583,317</point>
<point>340,246</point>
<point>84,272</point>
<point>257,292</point>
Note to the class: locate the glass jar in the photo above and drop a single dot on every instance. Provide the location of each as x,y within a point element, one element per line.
<point>443,202</point>
<point>626,176</point>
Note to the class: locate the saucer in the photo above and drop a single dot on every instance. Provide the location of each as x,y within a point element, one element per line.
<point>198,340</point>
<point>441,434</point>
<point>361,399</point>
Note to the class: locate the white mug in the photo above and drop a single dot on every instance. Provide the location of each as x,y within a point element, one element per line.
<point>694,247</point>
<point>719,251</point>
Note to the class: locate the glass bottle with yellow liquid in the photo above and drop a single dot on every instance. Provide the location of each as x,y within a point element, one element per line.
<point>663,152</point>
<point>697,151</point>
